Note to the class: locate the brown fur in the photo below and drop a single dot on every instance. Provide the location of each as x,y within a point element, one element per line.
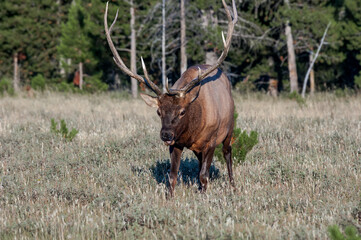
<point>207,121</point>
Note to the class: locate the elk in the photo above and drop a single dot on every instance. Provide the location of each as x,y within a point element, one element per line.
<point>196,113</point>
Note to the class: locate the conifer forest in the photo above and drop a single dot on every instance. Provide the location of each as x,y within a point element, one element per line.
<point>50,39</point>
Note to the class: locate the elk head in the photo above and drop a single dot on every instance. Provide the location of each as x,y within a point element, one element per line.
<point>173,112</point>
<point>172,106</point>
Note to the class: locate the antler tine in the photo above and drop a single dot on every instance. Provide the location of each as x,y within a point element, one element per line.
<point>227,11</point>
<point>119,62</point>
<point>171,91</point>
<point>166,86</point>
<point>227,45</point>
<point>149,83</point>
<point>183,91</point>
<point>144,68</point>
<point>224,40</point>
<point>114,21</point>
<point>107,33</point>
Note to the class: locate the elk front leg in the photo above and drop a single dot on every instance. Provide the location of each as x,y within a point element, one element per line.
<point>207,158</point>
<point>175,154</point>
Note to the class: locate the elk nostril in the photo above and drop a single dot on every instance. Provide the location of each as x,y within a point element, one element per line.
<point>166,136</point>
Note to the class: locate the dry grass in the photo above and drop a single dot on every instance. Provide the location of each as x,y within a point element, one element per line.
<point>304,175</point>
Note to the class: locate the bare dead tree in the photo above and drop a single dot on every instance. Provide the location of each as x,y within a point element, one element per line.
<point>16,80</point>
<point>183,39</point>
<point>250,32</point>
<point>312,75</point>
<point>314,60</point>
<point>133,50</point>
<point>252,36</point>
<point>209,19</point>
<point>174,43</point>
<point>152,34</point>
<point>58,23</point>
<point>163,47</point>
<point>81,75</point>
<point>292,67</point>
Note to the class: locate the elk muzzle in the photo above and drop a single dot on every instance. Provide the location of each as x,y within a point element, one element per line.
<point>167,136</point>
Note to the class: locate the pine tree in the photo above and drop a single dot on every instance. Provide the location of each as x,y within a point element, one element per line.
<point>14,22</point>
<point>29,34</point>
<point>349,15</point>
<point>76,42</point>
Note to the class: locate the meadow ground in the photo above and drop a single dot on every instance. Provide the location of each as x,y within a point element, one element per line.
<point>303,176</point>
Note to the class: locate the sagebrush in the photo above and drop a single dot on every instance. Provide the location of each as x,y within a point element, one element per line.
<point>63,130</point>
<point>242,144</point>
<point>350,233</point>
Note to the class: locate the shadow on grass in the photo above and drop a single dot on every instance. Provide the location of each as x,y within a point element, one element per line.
<point>188,171</point>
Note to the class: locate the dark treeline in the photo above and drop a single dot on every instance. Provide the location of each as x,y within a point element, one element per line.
<point>56,43</point>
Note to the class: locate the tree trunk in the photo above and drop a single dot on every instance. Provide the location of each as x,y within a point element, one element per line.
<point>163,47</point>
<point>58,20</point>
<point>211,58</point>
<point>208,19</point>
<point>81,76</point>
<point>116,81</point>
<point>183,39</point>
<point>292,67</point>
<point>133,51</point>
<point>313,61</point>
<point>16,80</point>
<point>312,76</point>
<point>58,23</point>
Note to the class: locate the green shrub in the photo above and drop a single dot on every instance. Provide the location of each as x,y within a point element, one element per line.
<point>63,87</point>
<point>38,82</point>
<point>242,144</point>
<point>94,84</point>
<point>350,233</point>
<point>341,93</point>
<point>298,98</point>
<point>245,87</point>
<point>63,131</point>
<point>358,81</point>
<point>5,86</point>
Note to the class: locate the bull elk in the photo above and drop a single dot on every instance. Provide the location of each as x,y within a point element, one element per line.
<point>196,113</point>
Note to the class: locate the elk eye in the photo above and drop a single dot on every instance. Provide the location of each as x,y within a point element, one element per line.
<point>182,113</point>
<point>158,112</point>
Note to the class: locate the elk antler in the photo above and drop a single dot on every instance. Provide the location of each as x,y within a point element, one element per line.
<point>119,62</point>
<point>226,43</point>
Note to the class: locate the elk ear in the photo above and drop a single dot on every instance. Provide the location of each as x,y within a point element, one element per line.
<point>193,94</point>
<point>149,100</point>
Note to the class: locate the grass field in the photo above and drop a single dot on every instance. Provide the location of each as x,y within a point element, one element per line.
<point>303,176</point>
